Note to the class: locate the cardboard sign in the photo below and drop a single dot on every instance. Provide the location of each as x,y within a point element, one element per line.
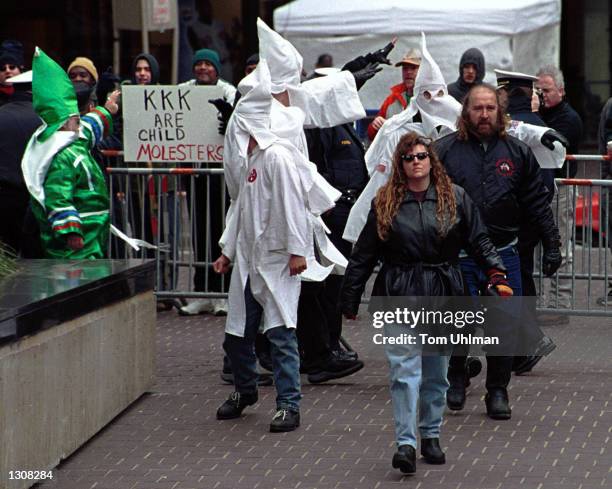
<point>169,123</point>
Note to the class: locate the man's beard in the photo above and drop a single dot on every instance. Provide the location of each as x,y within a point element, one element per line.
<point>483,130</point>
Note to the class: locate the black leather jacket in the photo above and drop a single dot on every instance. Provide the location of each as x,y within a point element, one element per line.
<point>417,261</point>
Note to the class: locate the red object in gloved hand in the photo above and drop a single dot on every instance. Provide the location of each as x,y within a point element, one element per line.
<point>498,285</point>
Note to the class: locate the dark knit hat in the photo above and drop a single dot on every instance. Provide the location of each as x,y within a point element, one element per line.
<point>209,55</point>
<point>252,60</point>
<point>11,52</point>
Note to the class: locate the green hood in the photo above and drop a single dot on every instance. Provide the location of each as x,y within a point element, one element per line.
<point>52,93</point>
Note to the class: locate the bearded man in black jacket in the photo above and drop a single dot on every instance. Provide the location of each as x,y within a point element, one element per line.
<point>502,177</point>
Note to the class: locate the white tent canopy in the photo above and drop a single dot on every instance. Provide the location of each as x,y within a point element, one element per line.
<point>520,35</point>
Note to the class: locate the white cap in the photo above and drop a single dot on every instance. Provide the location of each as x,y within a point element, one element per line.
<point>514,78</point>
<point>283,59</point>
<point>25,77</point>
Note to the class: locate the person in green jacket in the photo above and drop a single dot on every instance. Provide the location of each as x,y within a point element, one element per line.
<point>69,195</point>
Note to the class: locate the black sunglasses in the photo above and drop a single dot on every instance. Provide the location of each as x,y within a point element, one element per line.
<point>10,67</point>
<point>419,156</point>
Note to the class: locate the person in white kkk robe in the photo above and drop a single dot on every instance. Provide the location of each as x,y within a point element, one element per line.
<point>269,238</point>
<point>320,104</point>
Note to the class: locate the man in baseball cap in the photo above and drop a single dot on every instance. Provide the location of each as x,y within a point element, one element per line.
<point>400,94</point>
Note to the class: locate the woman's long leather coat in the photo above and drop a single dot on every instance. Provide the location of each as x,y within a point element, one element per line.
<point>416,260</point>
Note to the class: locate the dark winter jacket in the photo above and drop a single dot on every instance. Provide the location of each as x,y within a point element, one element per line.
<point>564,119</point>
<point>339,156</point>
<point>459,88</point>
<point>505,183</point>
<point>417,261</point>
<point>18,121</point>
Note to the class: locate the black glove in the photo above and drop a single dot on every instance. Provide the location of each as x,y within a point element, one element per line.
<point>380,56</point>
<point>355,64</point>
<point>551,261</point>
<point>225,111</point>
<point>365,74</point>
<point>550,136</point>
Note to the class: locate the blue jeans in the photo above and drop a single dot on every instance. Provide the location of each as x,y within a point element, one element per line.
<point>417,382</point>
<point>499,368</point>
<point>283,350</point>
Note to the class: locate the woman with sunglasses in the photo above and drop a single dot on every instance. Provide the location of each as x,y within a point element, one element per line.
<point>417,226</point>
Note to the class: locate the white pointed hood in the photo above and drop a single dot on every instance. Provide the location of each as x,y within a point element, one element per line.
<point>283,59</point>
<point>431,98</point>
<point>251,117</point>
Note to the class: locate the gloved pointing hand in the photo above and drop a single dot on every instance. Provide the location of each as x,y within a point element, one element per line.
<point>365,74</point>
<point>380,56</point>
<point>550,136</point>
<point>225,111</point>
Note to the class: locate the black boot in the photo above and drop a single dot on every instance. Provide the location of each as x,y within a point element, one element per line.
<point>336,367</point>
<point>497,404</point>
<point>405,459</point>
<point>235,404</point>
<point>431,451</point>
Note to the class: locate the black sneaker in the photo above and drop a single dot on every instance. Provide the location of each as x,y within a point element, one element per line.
<point>235,404</point>
<point>285,420</point>
<point>335,368</point>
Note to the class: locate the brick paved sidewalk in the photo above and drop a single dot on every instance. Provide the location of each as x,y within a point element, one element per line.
<point>559,435</point>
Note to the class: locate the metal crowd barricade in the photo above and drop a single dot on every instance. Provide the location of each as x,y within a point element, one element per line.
<point>158,205</point>
<point>581,207</point>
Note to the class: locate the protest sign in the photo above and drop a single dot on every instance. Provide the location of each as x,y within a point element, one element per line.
<point>168,123</point>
